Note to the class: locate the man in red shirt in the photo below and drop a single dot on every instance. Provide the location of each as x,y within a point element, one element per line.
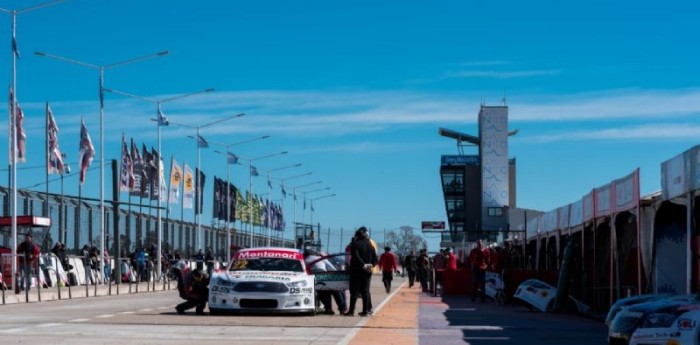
<point>479,257</point>
<point>451,259</point>
<point>387,262</point>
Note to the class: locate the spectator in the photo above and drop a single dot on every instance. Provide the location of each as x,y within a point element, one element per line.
<point>363,258</point>
<point>108,266</point>
<point>387,263</point>
<point>199,259</point>
<point>28,254</point>
<point>439,267</point>
<point>479,257</point>
<point>451,259</point>
<point>210,260</point>
<point>59,249</point>
<point>423,269</point>
<point>409,266</point>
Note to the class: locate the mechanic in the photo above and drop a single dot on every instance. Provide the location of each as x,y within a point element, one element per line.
<point>195,291</point>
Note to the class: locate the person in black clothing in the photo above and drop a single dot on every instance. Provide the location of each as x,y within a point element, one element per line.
<point>195,291</point>
<point>209,259</point>
<point>199,259</point>
<point>409,266</point>
<point>362,260</point>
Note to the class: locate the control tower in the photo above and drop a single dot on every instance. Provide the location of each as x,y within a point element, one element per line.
<point>479,188</point>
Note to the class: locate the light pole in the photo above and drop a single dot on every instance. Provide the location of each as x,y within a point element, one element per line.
<point>201,143</point>
<point>160,121</point>
<point>231,158</point>
<point>283,192</point>
<point>269,191</point>
<point>250,189</point>
<point>303,211</point>
<point>101,69</point>
<point>294,194</point>
<point>311,205</point>
<point>13,130</point>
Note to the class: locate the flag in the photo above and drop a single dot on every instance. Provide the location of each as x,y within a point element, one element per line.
<point>232,192</point>
<point>19,130</point>
<point>304,203</point>
<point>161,182</point>
<point>199,179</point>
<point>137,165</point>
<point>87,151</point>
<point>127,170</point>
<point>153,174</point>
<point>146,171</point>
<point>175,178</point>
<point>269,183</point>
<point>54,159</point>
<point>215,204</point>
<point>162,120</point>
<point>284,192</point>
<point>188,188</point>
<point>201,142</point>
<point>231,158</point>
<point>311,205</point>
<point>253,171</point>
<point>15,48</point>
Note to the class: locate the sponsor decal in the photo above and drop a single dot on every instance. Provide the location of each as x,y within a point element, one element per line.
<point>673,342</point>
<point>686,324</point>
<point>269,254</point>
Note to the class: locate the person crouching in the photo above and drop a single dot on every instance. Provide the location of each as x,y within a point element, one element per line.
<point>194,289</point>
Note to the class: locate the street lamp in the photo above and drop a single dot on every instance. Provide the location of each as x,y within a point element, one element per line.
<point>303,211</point>
<point>101,69</point>
<point>250,188</point>
<point>231,159</point>
<point>311,205</point>
<point>201,143</point>
<point>269,191</point>
<point>13,130</point>
<point>294,194</point>
<point>284,196</point>
<point>160,121</point>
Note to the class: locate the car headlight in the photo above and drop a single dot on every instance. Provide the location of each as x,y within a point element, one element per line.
<point>657,320</point>
<point>224,282</point>
<point>297,284</point>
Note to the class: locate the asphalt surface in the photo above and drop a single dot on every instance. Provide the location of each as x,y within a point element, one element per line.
<point>403,316</point>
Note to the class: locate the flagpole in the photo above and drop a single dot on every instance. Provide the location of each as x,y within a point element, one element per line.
<point>45,209</point>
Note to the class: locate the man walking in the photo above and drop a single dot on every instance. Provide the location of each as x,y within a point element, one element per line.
<point>479,257</point>
<point>409,266</point>
<point>387,262</point>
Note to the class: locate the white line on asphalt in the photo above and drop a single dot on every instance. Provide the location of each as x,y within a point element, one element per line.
<point>78,320</point>
<point>148,309</point>
<point>13,330</point>
<point>127,312</point>
<point>348,337</point>
<point>49,324</point>
<point>105,316</point>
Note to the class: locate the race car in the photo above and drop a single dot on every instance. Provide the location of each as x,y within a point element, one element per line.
<point>627,320</point>
<point>669,327</point>
<point>540,295</point>
<point>263,280</point>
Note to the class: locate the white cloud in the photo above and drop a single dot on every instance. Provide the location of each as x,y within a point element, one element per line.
<point>344,112</point>
<point>672,131</point>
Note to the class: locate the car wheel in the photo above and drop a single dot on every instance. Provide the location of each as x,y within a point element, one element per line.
<point>215,311</point>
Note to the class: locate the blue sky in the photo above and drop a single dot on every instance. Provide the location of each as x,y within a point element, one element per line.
<point>355,91</point>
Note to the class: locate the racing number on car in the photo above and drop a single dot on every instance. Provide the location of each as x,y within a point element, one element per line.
<point>240,264</point>
<point>294,290</point>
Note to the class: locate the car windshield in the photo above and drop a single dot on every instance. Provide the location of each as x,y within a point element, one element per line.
<point>267,264</point>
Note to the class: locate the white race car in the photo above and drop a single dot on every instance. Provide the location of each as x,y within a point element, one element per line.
<point>263,280</point>
<point>679,326</point>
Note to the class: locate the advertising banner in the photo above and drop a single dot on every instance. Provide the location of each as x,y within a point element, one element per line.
<point>603,202</point>
<point>493,131</point>
<point>576,213</point>
<point>588,205</point>
<point>627,192</point>
<point>563,217</point>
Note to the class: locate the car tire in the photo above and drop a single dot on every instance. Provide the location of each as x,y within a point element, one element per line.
<point>215,311</point>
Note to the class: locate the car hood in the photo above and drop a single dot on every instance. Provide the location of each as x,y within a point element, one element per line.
<point>267,276</point>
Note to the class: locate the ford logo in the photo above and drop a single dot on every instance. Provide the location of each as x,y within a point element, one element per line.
<point>260,285</point>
